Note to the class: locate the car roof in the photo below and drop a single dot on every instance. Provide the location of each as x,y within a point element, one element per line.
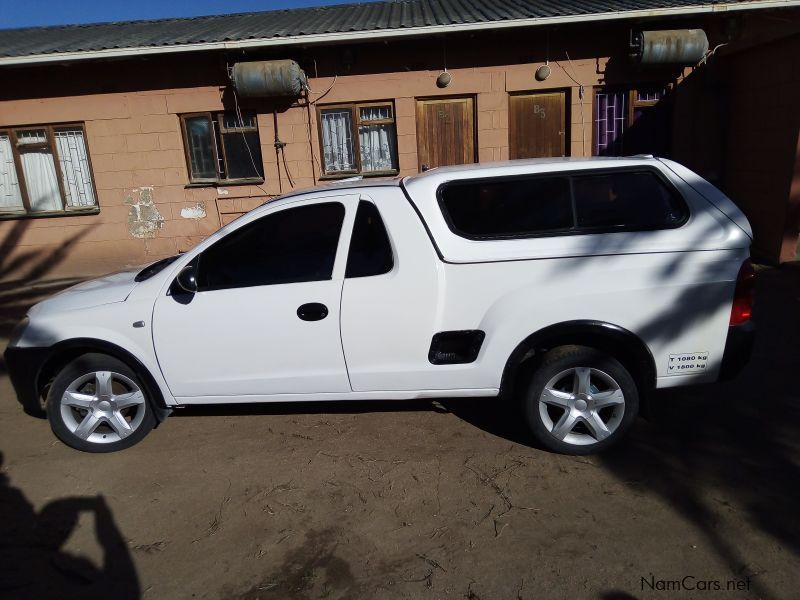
<point>473,169</point>
<point>502,167</point>
<point>344,184</point>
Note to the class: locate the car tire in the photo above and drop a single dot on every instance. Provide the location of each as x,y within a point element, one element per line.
<point>580,400</point>
<point>97,403</point>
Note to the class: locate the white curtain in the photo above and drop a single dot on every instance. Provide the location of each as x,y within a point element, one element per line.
<point>337,140</point>
<point>376,141</point>
<point>40,180</point>
<point>375,113</point>
<point>377,146</point>
<point>10,195</point>
<point>74,165</point>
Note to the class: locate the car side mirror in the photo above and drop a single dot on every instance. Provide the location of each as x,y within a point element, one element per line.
<point>187,279</point>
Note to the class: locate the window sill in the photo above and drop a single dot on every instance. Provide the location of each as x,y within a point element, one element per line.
<point>226,183</point>
<point>334,176</point>
<point>7,216</point>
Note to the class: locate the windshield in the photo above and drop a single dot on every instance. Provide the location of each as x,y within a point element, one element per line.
<point>155,268</point>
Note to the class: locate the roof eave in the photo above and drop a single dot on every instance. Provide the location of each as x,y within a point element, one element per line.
<point>385,34</point>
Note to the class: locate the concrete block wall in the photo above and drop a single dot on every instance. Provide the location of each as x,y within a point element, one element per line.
<point>147,207</point>
<point>137,155</point>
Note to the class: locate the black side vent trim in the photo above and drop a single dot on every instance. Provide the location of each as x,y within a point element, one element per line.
<point>455,347</point>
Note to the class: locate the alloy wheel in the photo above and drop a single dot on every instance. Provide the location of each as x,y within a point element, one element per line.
<point>102,407</point>
<point>582,406</point>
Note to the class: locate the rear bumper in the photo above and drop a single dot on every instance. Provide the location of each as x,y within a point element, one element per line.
<point>24,366</point>
<point>738,348</point>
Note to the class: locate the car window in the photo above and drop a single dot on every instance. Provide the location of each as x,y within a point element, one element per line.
<point>289,246</point>
<point>627,200</point>
<point>561,204</point>
<point>508,208</point>
<point>370,250</point>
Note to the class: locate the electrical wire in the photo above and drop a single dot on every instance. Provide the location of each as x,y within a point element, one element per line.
<point>581,94</point>
<point>277,149</point>
<point>310,141</point>
<point>309,104</point>
<point>286,168</point>
<point>325,93</point>
<point>280,153</point>
<point>240,118</point>
<point>710,53</point>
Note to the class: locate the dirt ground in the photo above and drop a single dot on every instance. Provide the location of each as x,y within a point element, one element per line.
<point>418,500</point>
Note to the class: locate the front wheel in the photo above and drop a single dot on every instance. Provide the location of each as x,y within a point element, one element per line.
<point>580,401</point>
<point>98,404</point>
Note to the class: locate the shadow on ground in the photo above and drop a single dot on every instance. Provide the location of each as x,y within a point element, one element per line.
<point>34,563</point>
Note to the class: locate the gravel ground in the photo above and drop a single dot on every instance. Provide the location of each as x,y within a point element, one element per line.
<point>417,500</point>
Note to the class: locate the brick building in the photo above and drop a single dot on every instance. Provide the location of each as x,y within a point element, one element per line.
<point>121,143</point>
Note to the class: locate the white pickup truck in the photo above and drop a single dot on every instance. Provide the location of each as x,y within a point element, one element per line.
<point>574,286</point>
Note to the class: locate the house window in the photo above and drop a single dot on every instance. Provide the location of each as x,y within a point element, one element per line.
<point>222,147</point>
<point>635,121</point>
<point>44,170</point>
<point>358,138</point>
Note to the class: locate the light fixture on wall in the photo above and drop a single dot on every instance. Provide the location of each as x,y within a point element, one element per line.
<point>542,72</point>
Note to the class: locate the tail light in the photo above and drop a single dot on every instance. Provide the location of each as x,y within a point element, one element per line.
<point>742,308</point>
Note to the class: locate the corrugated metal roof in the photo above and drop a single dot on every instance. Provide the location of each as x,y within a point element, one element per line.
<point>301,22</point>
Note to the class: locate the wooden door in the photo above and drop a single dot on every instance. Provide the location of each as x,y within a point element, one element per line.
<point>537,127</point>
<point>445,132</point>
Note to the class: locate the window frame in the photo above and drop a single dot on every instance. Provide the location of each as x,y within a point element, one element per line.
<point>355,113</point>
<point>25,212</point>
<point>630,96</point>
<point>633,103</point>
<point>218,150</point>
<point>575,229</point>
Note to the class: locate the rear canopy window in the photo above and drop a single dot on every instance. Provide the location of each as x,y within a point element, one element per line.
<point>626,200</point>
<point>507,208</point>
<point>542,205</point>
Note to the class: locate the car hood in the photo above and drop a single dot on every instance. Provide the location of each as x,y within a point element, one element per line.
<point>104,290</point>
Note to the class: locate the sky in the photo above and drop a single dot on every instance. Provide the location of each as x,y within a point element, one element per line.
<point>34,13</point>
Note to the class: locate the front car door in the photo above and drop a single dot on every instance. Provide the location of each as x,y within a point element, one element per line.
<point>265,318</point>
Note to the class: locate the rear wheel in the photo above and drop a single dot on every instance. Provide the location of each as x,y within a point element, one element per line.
<point>580,401</point>
<point>98,404</point>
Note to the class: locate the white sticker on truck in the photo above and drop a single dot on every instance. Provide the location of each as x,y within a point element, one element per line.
<point>685,364</point>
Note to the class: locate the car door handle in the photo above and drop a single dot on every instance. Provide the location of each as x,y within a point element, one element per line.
<point>313,311</point>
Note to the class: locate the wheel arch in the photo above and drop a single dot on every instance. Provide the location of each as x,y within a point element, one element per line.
<point>625,346</point>
<point>66,351</point>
